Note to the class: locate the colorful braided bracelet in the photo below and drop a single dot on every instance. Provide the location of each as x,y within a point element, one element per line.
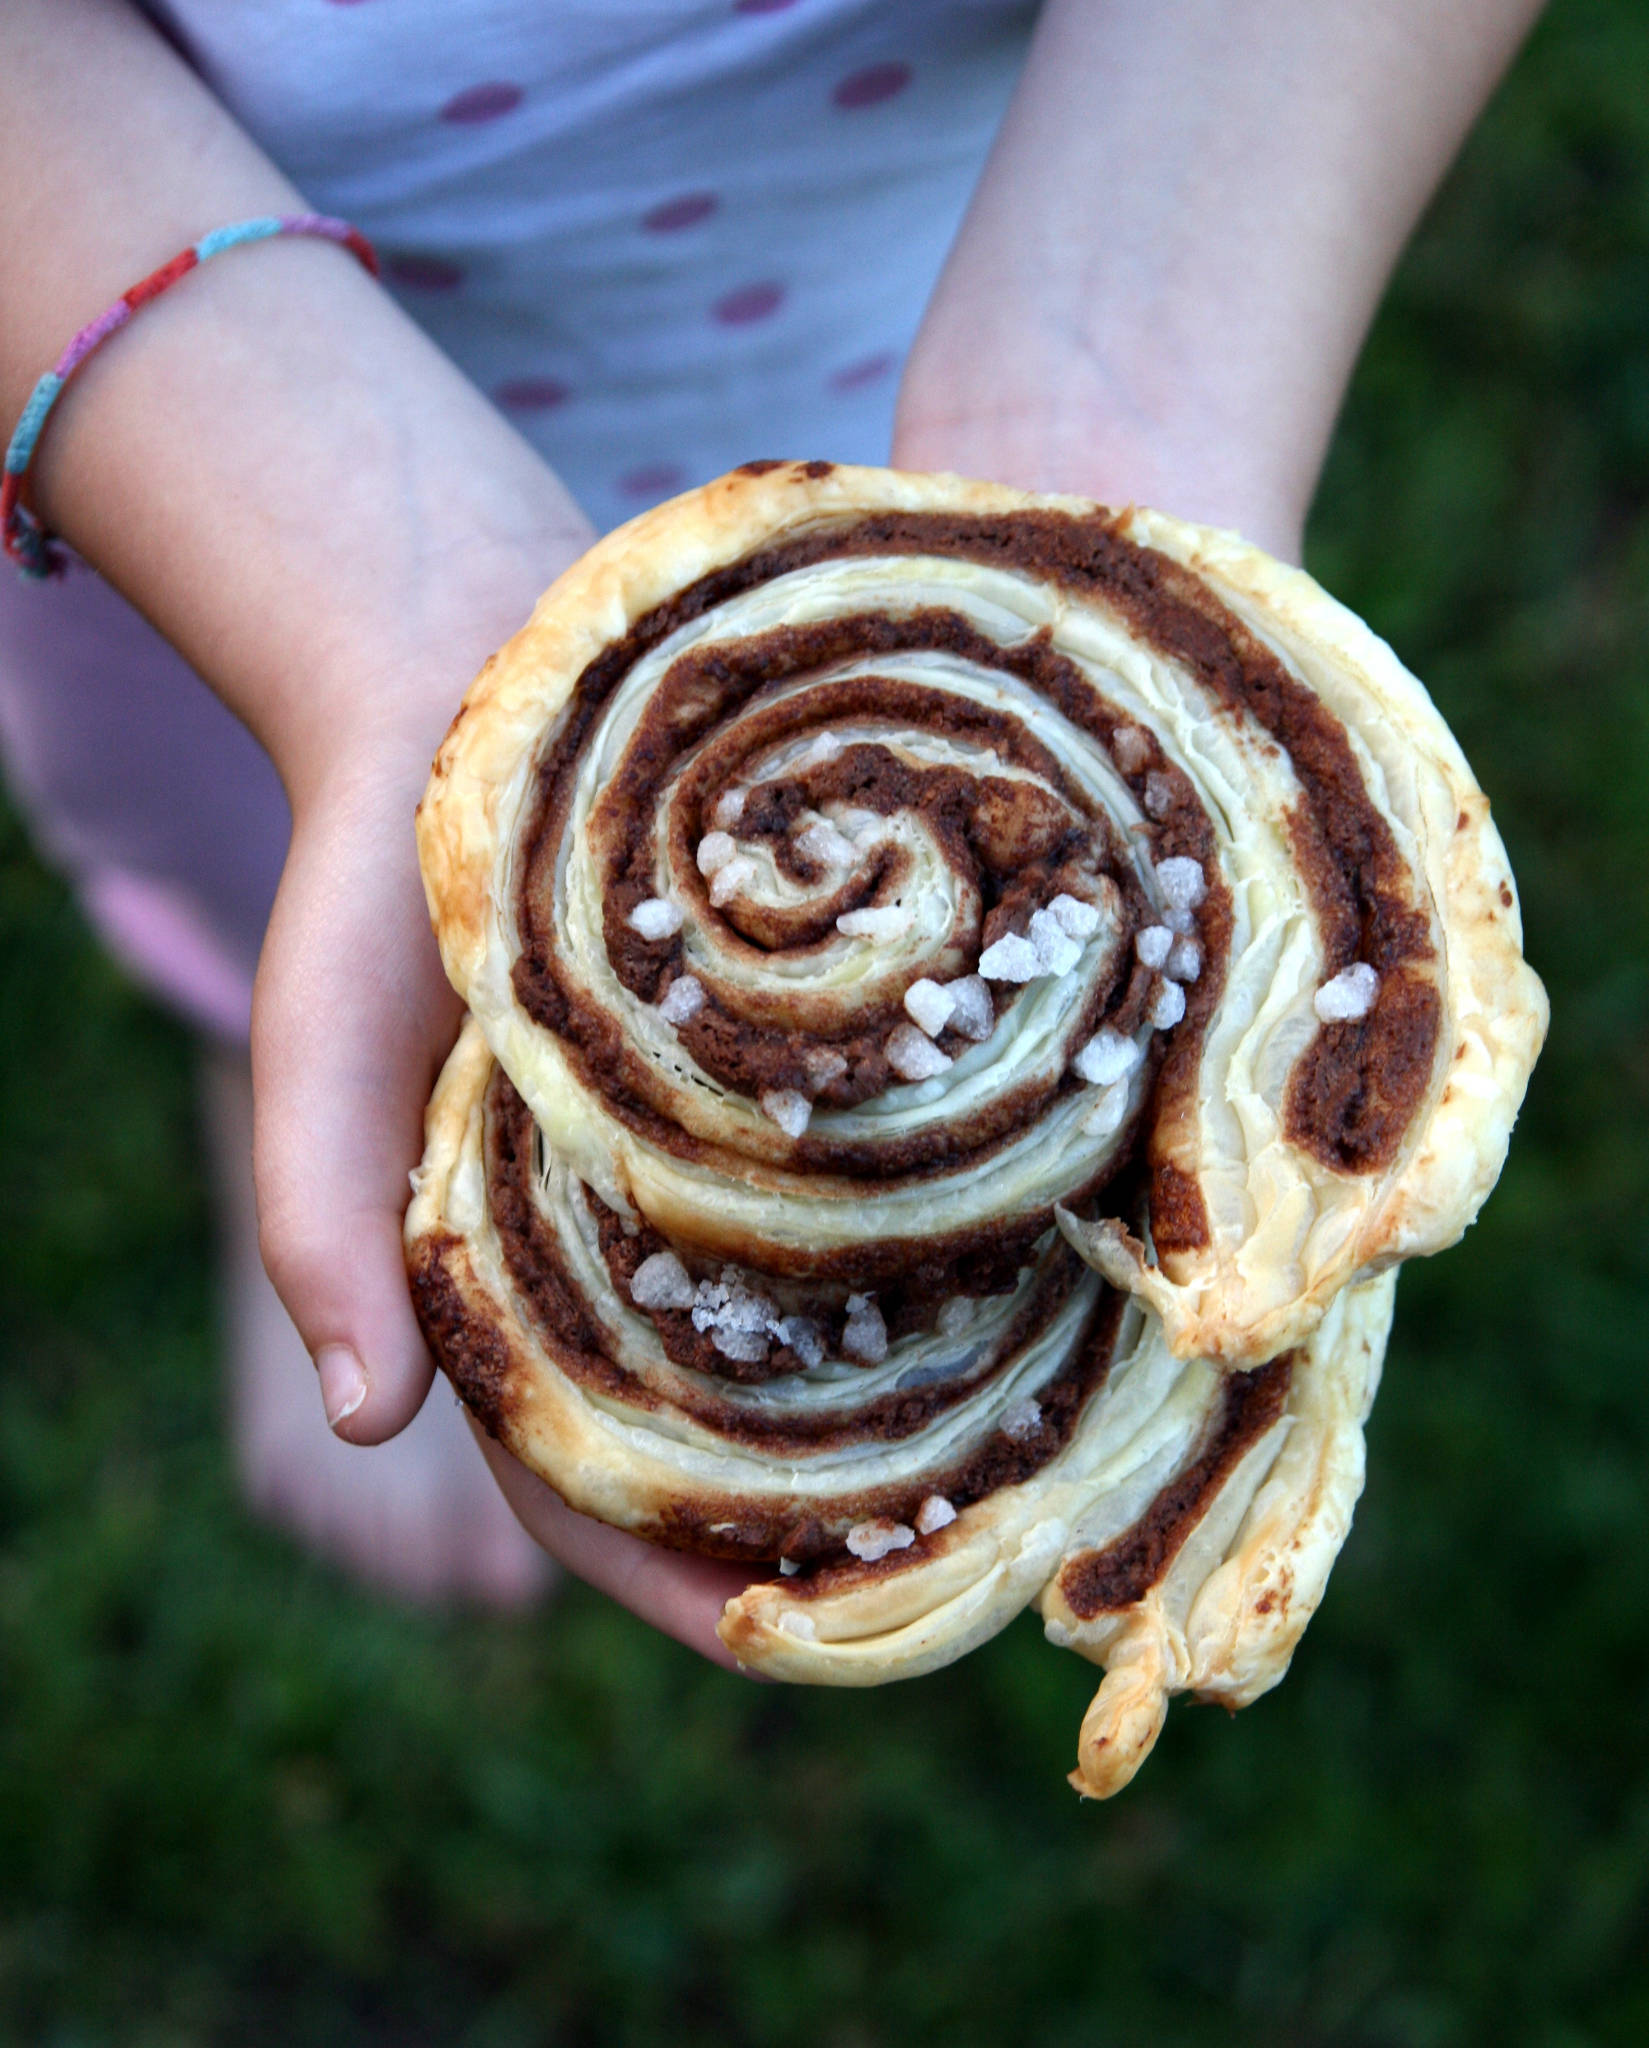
<point>26,541</point>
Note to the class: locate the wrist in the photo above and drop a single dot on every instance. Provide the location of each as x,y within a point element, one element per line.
<point>323,516</point>
<point>381,684</point>
<point>1083,430</point>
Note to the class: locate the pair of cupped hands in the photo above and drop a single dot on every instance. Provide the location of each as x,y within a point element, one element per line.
<point>336,531</point>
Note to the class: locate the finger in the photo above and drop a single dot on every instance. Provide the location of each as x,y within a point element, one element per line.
<point>680,1595</point>
<point>351,1017</point>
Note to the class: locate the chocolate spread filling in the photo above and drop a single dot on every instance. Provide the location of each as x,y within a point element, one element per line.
<point>1102,1581</point>
<point>475,1355</point>
<point>470,1347</point>
<point>583,1349</point>
<point>908,1305</point>
<point>1011,845</point>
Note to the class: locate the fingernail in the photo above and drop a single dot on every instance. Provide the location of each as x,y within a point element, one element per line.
<point>343,1382</point>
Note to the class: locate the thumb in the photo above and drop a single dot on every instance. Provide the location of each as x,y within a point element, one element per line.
<point>351,1015</point>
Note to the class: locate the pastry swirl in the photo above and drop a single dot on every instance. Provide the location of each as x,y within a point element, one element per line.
<point>967,992</point>
<point>1173,1521</point>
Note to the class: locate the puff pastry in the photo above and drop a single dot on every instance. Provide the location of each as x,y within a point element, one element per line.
<point>970,997</point>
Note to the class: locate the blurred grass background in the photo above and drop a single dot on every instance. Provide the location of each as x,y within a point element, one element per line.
<point>241,1804</point>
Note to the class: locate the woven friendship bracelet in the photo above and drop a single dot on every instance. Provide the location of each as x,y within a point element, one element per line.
<point>26,541</point>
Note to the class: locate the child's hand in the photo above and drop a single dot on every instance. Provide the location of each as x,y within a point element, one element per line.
<point>353,1016</point>
<point>351,1019</point>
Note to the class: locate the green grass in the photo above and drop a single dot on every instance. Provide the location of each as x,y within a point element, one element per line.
<point>241,1804</point>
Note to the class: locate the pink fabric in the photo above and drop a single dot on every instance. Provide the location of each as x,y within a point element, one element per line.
<point>165,940</point>
<point>160,807</point>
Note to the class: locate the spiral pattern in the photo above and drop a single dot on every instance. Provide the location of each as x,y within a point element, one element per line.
<point>964,987</point>
<point>843,814</point>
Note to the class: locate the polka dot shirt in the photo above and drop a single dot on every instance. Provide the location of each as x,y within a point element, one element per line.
<point>665,236</point>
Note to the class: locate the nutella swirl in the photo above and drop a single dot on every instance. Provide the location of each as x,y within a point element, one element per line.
<point>965,988</point>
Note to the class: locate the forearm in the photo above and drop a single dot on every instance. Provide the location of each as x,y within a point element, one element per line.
<point>336,529</point>
<point>1179,241</point>
<point>272,462</point>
